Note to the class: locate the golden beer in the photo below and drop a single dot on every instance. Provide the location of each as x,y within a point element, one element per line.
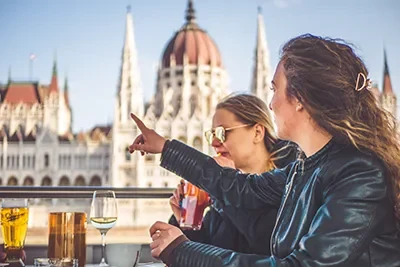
<point>14,222</point>
<point>67,236</point>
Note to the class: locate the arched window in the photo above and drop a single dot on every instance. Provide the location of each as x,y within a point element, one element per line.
<point>28,181</point>
<point>182,139</point>
<point>12,181</point>
<point>46,160</point>
<point>95,181</point>
<point>46,181</point>
<point>197,143</point>
<point>79,181</point>
<point>127,154</point>
<point>64,181</point>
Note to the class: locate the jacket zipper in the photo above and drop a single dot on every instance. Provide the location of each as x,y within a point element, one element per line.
<point>287,192</point>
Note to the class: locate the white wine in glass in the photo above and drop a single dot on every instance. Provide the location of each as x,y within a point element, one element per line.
<point>103,216</point>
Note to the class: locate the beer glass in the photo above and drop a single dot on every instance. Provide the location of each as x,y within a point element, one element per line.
<point>67,238</point>
<point>193,204</point>
<point>14,225</point>
<point>103,216</point>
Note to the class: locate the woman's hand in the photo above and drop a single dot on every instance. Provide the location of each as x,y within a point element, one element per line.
<point>162,235</point>
<point>147,142</point>
<point>175,199</point>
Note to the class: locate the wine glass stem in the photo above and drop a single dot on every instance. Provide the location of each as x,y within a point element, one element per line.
<point>103,249</point>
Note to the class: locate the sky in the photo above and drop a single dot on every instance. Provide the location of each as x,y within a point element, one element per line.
<point>86,38</point>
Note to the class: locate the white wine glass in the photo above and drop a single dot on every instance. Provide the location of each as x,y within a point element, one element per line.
<point>103,216</point>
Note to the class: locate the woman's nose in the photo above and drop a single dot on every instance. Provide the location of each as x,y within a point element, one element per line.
<point>215,143</point>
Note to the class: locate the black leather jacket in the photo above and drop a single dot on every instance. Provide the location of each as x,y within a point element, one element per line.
<point>222,229</point>
<point>336,211</point>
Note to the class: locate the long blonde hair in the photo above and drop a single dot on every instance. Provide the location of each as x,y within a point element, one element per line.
<point>250,109</point>
<point>322,74</point>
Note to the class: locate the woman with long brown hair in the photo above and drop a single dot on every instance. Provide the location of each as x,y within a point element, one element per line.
<point>341,203</point>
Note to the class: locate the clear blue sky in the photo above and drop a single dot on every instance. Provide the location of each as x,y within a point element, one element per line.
<point>88,37</point>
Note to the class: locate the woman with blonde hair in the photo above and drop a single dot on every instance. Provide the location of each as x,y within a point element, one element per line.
<point>243,135</point>
<point>341,203</point>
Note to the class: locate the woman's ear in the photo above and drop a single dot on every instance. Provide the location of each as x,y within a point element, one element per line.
<point>299,105</point>
<point>259,133</point>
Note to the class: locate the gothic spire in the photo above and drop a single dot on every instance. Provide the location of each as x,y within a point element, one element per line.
<point>190,12</point>
<point>66,91</point>
<point>387,84</point>
<point>130,98</point>
<point>261,70</point>
<point>54,84</point>
<point>9,73</point>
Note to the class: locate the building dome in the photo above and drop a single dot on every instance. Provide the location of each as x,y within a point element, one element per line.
<point>193,42</point>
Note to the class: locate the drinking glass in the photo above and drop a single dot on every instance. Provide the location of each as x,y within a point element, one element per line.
<point>67,237</point>
<point>194,202</point>
<point>103,216</point>
<point>14,225</point>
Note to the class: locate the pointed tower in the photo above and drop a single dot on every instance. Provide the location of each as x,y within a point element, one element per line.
<point>53,88</point>
<point>129,89</point>
<point>9,74</point>
<point>129,99</point>
<point>66,93</point>
<point>261,82</point>
<point>52,104</point>
<point>65,122</point>
<point>388,98</point>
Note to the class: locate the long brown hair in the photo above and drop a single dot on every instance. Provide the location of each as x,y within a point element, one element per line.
<point>322,74</point>
<point>250,109</point>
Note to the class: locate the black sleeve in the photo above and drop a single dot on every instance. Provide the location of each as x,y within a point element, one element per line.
<point>227,185</point>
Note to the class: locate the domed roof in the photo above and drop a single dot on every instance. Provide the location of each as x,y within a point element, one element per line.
<point>193,42</point>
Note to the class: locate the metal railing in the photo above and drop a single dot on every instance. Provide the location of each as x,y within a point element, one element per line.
<point>81,192</point>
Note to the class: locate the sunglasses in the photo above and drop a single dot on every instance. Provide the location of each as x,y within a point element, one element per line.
<point>219,133</point>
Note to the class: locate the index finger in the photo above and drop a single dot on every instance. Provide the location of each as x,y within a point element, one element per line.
<point>158,226</point>
<point>139,123</point>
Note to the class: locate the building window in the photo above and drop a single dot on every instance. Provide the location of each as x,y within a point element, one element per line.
<point>46,160</point>
<point>46,181</point>
<point>64,181</point>
<point>28,181</point>
<point>149,184</point>
<point>179,83</point>
<point>127,154</point>
<point>95,181</point>
<point>12,181</point>
<point>1,161</point>
<point>166,184</point>
<point>95,162</point>
<point>149,172</point>
<point>197,143</point>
